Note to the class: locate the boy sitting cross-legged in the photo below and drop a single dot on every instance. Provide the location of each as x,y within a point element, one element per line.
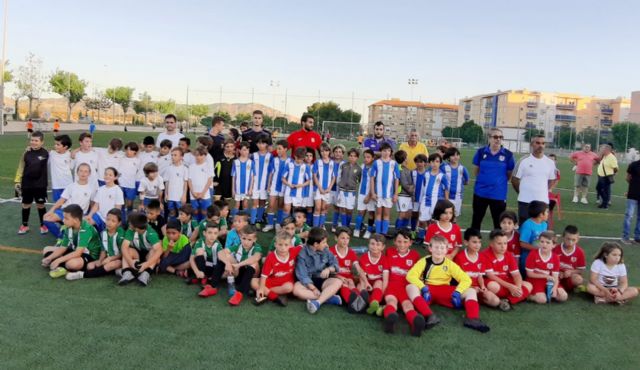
<point>572,259</point>
<point>347,261</point>
<point>206,261</point>
<point>373,272</point>
<point>141,250</point>
<point>242,263</point>
<point>430,280</point>
<point>277,281</point>
<point>316,269</point>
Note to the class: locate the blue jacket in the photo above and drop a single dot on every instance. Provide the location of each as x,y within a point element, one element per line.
<point>311,262</point>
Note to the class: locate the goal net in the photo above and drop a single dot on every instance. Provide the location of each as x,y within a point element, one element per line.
<point>341,130</point>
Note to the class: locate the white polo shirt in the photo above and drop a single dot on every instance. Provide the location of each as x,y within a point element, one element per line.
<point>534,174</point>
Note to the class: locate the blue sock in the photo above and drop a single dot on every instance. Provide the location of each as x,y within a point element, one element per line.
<point>345,222</point>
<point>398,223</point>
<point>378,227</point>
<point>414,223</point>
<point>316,220</point>
<point>421,233</point>
<point>322,221</point>
<point>385,226</point>
<point>254,213</point>
<point>280,216</point>
<point>371,227</point>
<point>234,211</point>
<point>270,219</point>
<point>260,214</point>
<point>336,216</point>
<point>348,221</point>
<point>334,300</point>
<point>359,222</point>
<point>309,218</point>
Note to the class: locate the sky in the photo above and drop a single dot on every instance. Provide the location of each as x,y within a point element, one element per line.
<point>352,52</point>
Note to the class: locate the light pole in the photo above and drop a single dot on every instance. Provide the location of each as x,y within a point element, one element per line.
<point>597,118</point>
<point>412,84</point>
<point>518,130</point>
<point>274,85</point>
<point>2,62</point>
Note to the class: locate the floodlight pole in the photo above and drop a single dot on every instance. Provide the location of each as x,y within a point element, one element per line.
<point>2,63</point>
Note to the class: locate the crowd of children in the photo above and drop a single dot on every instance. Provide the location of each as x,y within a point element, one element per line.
<point>203,227</point>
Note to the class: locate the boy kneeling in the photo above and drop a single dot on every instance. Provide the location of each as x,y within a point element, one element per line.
<point>431,278</point>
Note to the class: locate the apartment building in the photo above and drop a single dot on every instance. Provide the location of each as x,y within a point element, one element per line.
<point>401,116</point>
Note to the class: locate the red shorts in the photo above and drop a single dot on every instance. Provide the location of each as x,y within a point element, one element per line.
<point>539,286</point>
<point>274,282</point>
<point>566,284</point>
<point>441,294</point>
<point>398,290</point>
<point>504,293</point>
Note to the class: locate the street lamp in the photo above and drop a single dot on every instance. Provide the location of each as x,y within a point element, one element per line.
<point>412,84</point>
<point>274,85</point>
<point>597,118</point>
<point>4,49</point>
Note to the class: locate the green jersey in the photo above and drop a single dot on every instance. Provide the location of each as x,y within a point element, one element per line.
<point>111,244</point>
<point>188,228</point>
<point>144,241</point>
<point>295,241</point>
<point>210,251</point>
<point>303,229</point>
<point>86,237</point>
<point>182,242</point>
<point>241,254</point>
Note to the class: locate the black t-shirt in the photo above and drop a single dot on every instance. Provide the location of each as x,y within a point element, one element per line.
<point>34,175</point>
<point>157,225</point>
<point>224,166</point>
<point>217,149</point>
<point>634,185</point>
<point>251,136</point>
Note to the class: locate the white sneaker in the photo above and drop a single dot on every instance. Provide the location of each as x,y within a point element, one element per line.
<point>278,227</point>
<point>75,275</point>
<point>367,234</point>
<point>356,233</point>
<point>584,201</point>
<point>267,228</point>
<point>575,199</point>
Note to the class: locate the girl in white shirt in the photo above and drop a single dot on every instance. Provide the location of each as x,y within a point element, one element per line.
<point>608,282</point>
<point>108,197</point>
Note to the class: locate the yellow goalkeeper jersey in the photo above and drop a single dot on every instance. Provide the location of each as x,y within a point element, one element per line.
<point>427,272</point>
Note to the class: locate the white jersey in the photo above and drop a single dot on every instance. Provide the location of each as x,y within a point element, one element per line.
<point>145,157</point>
<point>108,198</point>
<point>128,169</point>
<point>174,182</point>
<point>80,195</point>
<point>164,161</point>
<point>188,159</point>
<point>106,160</point>
<point>199,174</point>
<point>174,138</point>
<point>151,189</point>
<point>61,169</point>
<point>90,158</point>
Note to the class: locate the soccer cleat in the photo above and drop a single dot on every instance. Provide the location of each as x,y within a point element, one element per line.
<point>358,305</point>
<point>236,299</point>
<point>584,201</point>
<point>417,326</point>
<point>208,291</point>
<point>23,230</point>
<point>367,234</point>
<point>75,275</point>
<point>43,230</point>
<point>126,278</point>
<point>431,321</point>
<point>504,305</point>
<point>118,273</point>
<point>259,301</point>
<point>267,228</point>
<point>58,273</point>
<point>626,241</point>
<point>599,300</point>
<point>476,324</point>
<point>334,300</point>
<point>365,295</point>
<point>144,278</point>
<point>282,301</point>
<point>313,306</point>
<point>390,323</point>
<point>581,289</point>
<point>356,233</point>
<point>575,199</point>
<point>373,307</point>
<point>380,311</point>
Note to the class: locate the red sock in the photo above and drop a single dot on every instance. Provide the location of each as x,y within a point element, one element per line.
<point>376,295</point>
<point>388,310</point>
<point>272,296</point>
<point>422,306</point>
<point>472,308</point>
<point>410,315</point>
<point>345,293</point>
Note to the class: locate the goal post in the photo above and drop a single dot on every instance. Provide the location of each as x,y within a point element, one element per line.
<point>342,130</point>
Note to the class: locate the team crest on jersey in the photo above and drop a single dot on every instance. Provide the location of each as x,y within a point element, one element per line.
<point>347,263</point>
<point>313,139</point>
<point>409,263</point>
<point>291,263</point>
<point>573,259</point>
<point>86,194</point>
<point>504,268</point>
<point>445,268</point>
<point>501,158</point>
<point>549,265</point>
<point>41,158</point>
<point>484,156</point>
<point>452,237</point>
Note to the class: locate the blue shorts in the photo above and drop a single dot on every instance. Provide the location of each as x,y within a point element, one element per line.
<point>56,193</point>
<point>201,204</point>
<point>146,201</point>
<point>100,225</point>
<point>172,204</point>
<point>58,212</point>
<point>130,193</point>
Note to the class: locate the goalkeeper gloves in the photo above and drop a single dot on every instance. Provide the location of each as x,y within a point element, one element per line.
<point>426,294</point>
<point>456,299</point>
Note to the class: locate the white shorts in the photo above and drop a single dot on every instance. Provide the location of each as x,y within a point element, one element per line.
<point>259,194</point>
<point>308,201</point>
<point>362,206</point>
<point>294,201</point>
<point>404,204</point>
<point>384,202</point>
<point>333,199</point>
<point>416,206</point>
<point>347,200</point>
<point>274,193</point>
<point>425,213</point>
<point>240,197</point>
<point>457,203</point>
<point>324,197</point>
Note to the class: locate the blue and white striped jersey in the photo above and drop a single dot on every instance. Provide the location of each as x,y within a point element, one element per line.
<point>434,188</point>
<point>277,166</point>
<point>295,174</point>
<point>385,174</point>
<point>365,182</point>
<point>324,172</point>
<point>457,178</point>
<point>242,173</point>
<point>261,170</point>
<point>418,181</point>
<point>336,173</point>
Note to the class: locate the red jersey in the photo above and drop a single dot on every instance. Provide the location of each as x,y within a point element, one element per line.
<point>305,139</point>
<point>513,244</point>
<point>345,262</point>
<point>535,263</point>
<point>373,268</point>
<point>278,269</point>
<point>453,235</point>
<point>572,261</point>
<point>502,268</point>
<point>473,268</point>
<point>399,265</point>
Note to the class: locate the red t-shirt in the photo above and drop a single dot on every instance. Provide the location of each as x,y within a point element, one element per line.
<point>535,263</point>
<point>453,235</point>
<point>399,265</point>
<point>513,244</point>
<point>502,268</point>
<point>474,269</point>
<point>278,269</point>
<point>345,262</point>
<point>373,268</point>
<point>306,139</point>
<point>572,261</point>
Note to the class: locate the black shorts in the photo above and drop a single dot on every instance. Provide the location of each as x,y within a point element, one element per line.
<point>142,254</point>
<point>318,281</point>
<point>85,256</point>
<point>39,195</point>
<point>30,130</point>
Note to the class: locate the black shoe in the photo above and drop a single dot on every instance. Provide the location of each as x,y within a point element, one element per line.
<point>365,295</point>
<point>476,324</point>
<point>281,301</point>
<point>417,326</point>
<point>351,304</point>
<point>431,321</point>
<point>390,323</point>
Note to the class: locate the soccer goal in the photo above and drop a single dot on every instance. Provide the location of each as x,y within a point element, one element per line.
<point>341,130</point>
<point>447,141</point>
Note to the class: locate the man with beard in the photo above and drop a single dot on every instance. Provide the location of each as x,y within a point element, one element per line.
<point>374,142</point>
<point>305,137</point>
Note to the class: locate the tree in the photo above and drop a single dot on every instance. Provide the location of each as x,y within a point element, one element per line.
<point>199,110</point>
<point>182,113</point>
<point>330,111</point>
<point>8,75</point>
<point>469,132</point>
<point>99,103</point>
<point>165,106</point>
<point>121,95</point>
<point>70,86</point>
<point>620,140</point>
<point>588,136</point>
<point>351,116</point>
<point>30,81</point>
<point>241,117</point>
<point>529,133</point>
<point>206,121</point>
<point>144,105</point>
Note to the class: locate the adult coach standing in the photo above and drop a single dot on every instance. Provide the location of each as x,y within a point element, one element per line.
<point>493,165</point>
<point>251,135</point>
<point>305,137</point>
<point>170,132</point>
<point>607,170</point>
<point>374,142</point>
<point>413,147</point>
<point>217,149</point>
<point>583,161</point>
<point>533,177</point>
